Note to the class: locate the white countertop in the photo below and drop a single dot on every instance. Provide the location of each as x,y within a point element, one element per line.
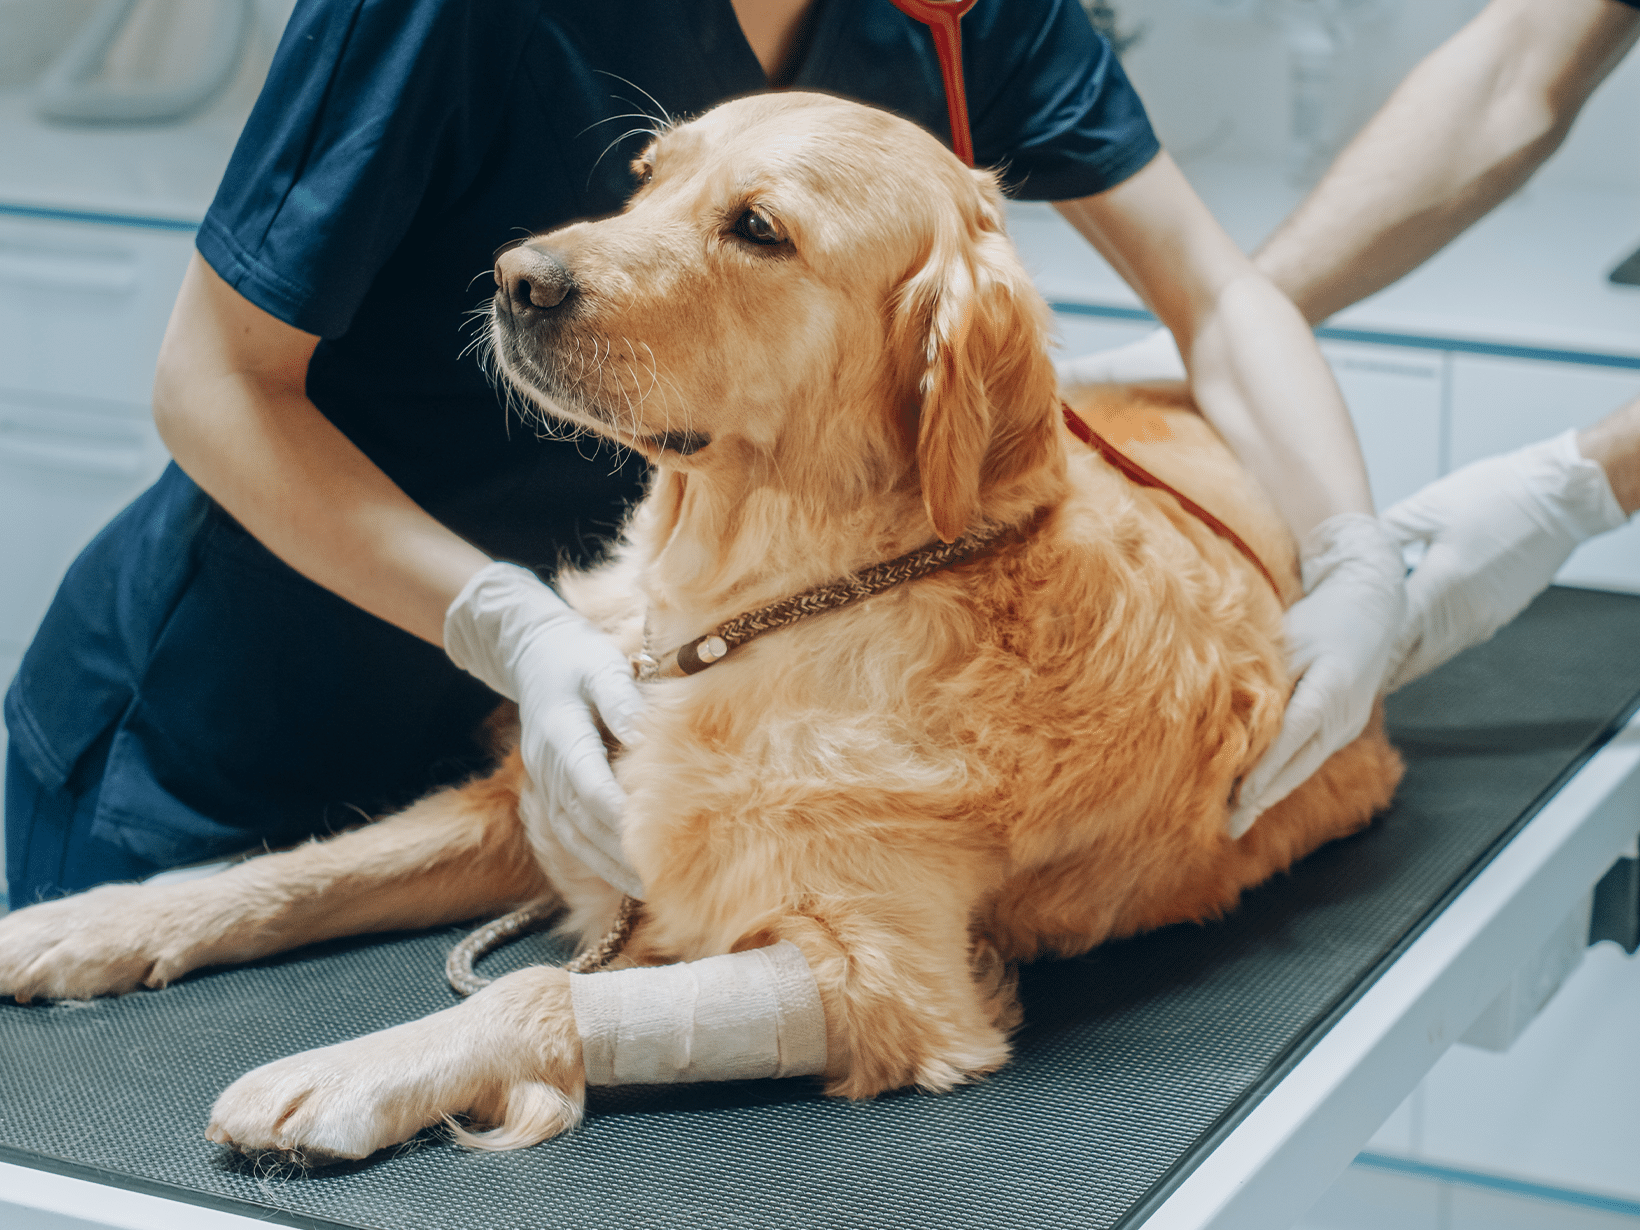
<point>1532,273</point>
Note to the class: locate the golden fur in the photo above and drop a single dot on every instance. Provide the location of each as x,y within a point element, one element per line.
<point>1022,756</point>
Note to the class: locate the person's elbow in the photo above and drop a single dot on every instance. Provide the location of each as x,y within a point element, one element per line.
<point>1544,59</point>
<point>188,392</point>
<point>1527,127</point>
<point>221,351</point>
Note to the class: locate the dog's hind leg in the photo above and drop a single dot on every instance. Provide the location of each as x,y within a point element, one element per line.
<point>456,854</point>
<point>1340,798</point>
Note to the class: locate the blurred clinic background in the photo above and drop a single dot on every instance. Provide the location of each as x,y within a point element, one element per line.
<point>117,117</point>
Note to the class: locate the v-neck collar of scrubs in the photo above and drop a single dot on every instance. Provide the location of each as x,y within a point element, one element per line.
<point>724,46</point>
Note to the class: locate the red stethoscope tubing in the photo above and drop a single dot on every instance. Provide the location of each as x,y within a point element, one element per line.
<point>944,21</point>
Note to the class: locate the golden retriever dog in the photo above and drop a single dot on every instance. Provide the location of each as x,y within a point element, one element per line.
<point>810,318</point>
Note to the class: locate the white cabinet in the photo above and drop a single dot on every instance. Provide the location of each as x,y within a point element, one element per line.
<point>1396,396</point>
<point>1501,403</point>
<point>82,310</point>
<point>83,306</point>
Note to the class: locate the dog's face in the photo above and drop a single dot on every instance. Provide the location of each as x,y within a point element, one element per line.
<point>798,281</point>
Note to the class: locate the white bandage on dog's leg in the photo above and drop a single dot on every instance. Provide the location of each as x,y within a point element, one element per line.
<point>742,1016</point>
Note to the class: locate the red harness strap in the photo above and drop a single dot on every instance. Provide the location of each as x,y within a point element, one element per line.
<point>944,21</point>
<point>1136,473</point>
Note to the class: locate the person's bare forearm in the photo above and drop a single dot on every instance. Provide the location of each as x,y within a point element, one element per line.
<point>241,427</point>
<point>1614,442</point>
<point>308,495</point>
<point>1253,364</point>
<point>1463,131</point>
<point>1258,377</point>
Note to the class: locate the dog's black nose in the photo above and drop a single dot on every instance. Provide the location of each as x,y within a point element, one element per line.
<point>533,279</point>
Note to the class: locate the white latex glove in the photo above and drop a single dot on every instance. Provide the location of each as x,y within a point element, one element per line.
<point>1340,639</point>
<point>1496,531</point>
<point>527,643</point>
<point>1153,357</point>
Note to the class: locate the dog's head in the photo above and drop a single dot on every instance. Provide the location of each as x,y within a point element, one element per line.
<point>800,282</point>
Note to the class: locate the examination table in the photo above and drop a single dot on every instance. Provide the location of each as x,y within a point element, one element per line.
<point>1218,1076</point>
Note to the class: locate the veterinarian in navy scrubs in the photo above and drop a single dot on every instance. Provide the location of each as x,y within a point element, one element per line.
<point>251,652</point>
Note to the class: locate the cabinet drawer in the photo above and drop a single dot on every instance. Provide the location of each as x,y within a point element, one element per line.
<point>83,306</point>
<point>1395,398</point>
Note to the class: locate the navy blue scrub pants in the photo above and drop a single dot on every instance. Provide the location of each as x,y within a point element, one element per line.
<point>50,847</point>
<point>188,697</point>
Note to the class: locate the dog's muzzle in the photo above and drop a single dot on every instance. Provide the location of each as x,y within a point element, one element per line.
<point>535,306</point>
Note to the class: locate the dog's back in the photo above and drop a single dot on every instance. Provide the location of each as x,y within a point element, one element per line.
<point>1108,681</point>
<point>1170,690</point>
<point>1172,687</point>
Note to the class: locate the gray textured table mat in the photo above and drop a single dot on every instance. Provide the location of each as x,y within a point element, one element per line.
<point>1133,1061</point>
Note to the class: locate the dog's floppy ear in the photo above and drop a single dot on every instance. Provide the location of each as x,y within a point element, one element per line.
<point>975,330</point>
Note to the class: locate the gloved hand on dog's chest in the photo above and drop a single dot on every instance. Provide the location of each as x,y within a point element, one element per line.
<point>517,635</point>
<point>1496,532</point>
<point>1341,639</point>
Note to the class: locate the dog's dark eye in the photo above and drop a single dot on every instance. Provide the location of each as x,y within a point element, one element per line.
<point>645,173</point>
<point>757,228</point>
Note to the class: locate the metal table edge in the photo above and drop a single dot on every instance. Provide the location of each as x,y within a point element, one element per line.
<point>1294,1141</point>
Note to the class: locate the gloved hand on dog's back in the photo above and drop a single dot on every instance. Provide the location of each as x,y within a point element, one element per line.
<point>517,635</point>
<point>1341,642</point>
<point>1495,533</point>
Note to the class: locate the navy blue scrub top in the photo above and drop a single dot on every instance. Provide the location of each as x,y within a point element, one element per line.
<point>210,694</point>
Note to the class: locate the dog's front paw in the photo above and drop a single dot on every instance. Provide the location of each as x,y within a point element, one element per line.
<point>107,941</point>
<point>344,1101</point>
<point>508,1057</point>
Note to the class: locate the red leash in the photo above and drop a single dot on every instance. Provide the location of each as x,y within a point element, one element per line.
<point>944,21</point>
<point>1136,473</point>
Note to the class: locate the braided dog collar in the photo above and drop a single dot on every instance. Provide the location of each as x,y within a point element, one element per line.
<point>694,656</point>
